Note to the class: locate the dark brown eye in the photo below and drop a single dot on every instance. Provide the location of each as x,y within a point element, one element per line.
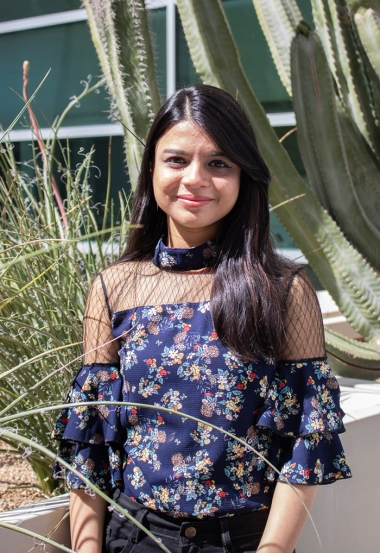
<point>219,163</point>
<point>176,160</point>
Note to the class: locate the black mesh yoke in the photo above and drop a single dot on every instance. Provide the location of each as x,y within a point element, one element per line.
<point>132,284</point>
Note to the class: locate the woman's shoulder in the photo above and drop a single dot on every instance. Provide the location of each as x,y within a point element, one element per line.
<point>119,281</point>
<point>303,320</point>
<point>122,270</point>
<point>300,288</point>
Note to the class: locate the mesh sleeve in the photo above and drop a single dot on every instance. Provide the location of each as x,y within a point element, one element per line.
<point>99,344</point>
<point>303,321</point>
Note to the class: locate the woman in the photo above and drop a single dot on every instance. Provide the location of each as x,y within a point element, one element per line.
<point>200,315</point>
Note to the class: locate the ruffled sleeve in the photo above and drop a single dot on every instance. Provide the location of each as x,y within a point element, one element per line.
<point>302,399</point>
<point>302,407</point>
<point>97,425</point>
<point>90,436</point>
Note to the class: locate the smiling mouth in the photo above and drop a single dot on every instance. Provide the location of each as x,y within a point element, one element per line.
<point>194,200</point>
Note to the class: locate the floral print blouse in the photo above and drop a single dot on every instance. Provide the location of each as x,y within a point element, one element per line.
<point>171,358</point>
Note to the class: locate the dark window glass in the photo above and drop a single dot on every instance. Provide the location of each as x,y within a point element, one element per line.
<point>20,9</point>
<point>157,26</point>
<point>57,48</point>
<point>98,175</point>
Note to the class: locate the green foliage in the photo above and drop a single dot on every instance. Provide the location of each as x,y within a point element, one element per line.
<point>46,268</point>
<point>342,172</point>
<point>357,83</point>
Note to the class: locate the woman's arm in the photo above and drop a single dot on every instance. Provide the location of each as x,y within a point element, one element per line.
<point>286,518</point>
<point>87,516</point>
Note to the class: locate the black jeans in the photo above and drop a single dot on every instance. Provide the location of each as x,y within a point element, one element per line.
<point>237,534</point>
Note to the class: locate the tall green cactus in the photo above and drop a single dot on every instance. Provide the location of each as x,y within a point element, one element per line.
<point>341,267</point>
<point>119,30</point>
<point>357,87</point>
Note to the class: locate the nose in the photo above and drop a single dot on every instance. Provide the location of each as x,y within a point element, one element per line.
<point>194,175</point>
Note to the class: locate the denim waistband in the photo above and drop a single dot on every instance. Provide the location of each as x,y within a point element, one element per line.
<point>252,523</point>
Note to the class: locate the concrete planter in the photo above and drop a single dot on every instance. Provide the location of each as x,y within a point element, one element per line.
<point>346,513</point>
<point>41,518</point>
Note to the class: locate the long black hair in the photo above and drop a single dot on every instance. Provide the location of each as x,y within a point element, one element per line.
<point>249,288</point>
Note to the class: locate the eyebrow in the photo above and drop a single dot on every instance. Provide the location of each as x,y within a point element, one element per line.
<point>184,153</point>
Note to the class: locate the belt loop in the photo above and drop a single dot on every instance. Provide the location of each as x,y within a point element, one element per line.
<point>225,534</point>
<point>116,494</point>
<point>139,516</point>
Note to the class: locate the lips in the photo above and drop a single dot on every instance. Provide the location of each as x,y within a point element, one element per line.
<point>194,200</point>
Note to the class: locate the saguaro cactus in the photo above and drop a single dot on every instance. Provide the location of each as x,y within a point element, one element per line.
<point>119,30</point>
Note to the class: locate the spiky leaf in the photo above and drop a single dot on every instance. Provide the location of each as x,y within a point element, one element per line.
<point>368,25</point>
<point>279,20</point>
<point>341,170</point>
<point>352,358</point>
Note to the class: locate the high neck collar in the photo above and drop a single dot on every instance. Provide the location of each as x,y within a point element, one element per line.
<point>185,259</point>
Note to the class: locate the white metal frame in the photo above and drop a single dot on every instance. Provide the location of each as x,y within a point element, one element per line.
<point>170,47</point>
<point>286,119</point>
<point>47,20</point>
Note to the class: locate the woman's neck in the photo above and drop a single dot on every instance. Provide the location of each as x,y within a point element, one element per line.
<point>181,237</point>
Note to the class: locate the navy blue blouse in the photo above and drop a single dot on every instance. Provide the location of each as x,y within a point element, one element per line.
<point>171,357</point>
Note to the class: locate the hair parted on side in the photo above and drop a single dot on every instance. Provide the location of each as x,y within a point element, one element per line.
<point>248,297</point>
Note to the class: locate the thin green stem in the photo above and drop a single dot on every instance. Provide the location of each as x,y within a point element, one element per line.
<point>36,536</point>
<point>66,111</point>
<point>25,107</point>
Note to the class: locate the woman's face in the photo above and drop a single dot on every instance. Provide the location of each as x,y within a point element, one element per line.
<point>193,183</point>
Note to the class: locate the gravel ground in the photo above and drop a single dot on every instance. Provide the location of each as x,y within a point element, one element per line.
<point>17,483</point>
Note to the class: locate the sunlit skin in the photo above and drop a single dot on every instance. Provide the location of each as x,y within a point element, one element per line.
<point>194,183</point>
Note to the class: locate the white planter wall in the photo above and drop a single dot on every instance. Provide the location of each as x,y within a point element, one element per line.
<point>41,518</point>
<point>347,513</point>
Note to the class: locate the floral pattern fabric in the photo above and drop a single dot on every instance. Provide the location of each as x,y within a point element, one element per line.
<point>283,417</point>
<point>184,259</point>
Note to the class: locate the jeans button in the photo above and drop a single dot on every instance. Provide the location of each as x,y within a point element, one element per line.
<point>190,532</point>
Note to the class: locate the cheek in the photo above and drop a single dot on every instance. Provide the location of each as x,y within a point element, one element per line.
<point>230,194</point>
<point>162,184</point>
<point>162,194</point>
